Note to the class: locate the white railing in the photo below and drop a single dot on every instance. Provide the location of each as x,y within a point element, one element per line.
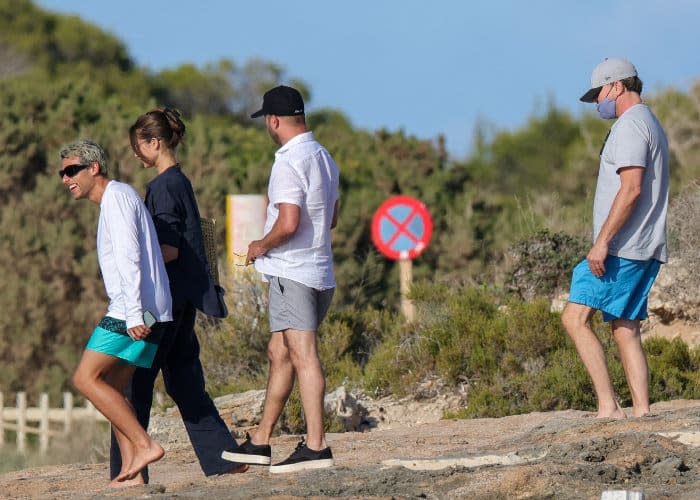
<point>18,419</point>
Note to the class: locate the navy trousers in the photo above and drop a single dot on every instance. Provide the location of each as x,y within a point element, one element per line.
<point>178,358</point>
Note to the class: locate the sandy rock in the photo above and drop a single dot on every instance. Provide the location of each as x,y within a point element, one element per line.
<point>560,454</point>
<point>668,299</point>
<point>241,410</point>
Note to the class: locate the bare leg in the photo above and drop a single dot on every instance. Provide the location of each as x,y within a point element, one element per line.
<point>312,383</point>
<point>119,379</point>
<point>88,379</point>
<point>279,386</point>
<point>628,337</point>
<point>128,453</point>
<point>576,319</point>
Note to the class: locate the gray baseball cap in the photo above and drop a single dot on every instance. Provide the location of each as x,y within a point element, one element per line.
<point>609,71</point>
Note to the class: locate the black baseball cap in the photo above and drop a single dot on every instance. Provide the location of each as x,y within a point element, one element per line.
<point>281,101</point>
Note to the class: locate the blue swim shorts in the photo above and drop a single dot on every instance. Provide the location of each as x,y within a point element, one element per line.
<point>110,337</point>
<point>621,293</point>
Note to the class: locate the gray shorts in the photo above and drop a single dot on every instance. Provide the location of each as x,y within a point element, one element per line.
<point>296,306</point>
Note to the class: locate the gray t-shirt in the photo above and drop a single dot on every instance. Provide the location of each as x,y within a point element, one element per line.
<point>636,140</point>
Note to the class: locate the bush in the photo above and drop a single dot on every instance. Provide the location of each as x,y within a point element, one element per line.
<point>513,357</point>
<point>233,351</point>
<point>543,263</point>
<point>292,420</point>
<point>673,369</point>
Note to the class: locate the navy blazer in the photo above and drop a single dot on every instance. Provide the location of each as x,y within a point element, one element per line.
<point>173,207</point>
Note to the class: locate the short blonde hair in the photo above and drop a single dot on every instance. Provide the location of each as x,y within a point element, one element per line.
<point>88,151</point>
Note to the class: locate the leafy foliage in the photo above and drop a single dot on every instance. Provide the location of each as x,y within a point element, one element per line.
<point>513,357</point>
<point>543,263</point>
<point>62,79</point>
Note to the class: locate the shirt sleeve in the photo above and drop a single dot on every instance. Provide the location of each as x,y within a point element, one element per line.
<point>286,185</point>
<point>631,145</point>
<point>165,213</point>
<point>121,216</point>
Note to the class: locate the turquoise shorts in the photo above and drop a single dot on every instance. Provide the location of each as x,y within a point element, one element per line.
<point>110,337</point>
<point>621,293</point>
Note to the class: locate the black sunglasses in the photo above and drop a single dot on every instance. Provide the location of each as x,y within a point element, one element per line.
<point>72,170</point>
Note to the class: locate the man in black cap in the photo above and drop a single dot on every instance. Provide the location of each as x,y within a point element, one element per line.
<point>295,257</point>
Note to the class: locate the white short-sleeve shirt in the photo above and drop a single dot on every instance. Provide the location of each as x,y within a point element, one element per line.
<point>303,174</point>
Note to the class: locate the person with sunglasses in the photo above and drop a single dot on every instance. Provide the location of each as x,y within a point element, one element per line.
<point>139,301</point>
<point>172,204</point>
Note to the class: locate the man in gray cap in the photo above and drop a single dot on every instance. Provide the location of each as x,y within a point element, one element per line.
<point>629,235</point>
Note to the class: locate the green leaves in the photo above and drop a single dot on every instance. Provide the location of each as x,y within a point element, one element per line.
<point>62,79</point>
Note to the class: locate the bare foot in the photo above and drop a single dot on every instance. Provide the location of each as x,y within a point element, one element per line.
<point>142,458</point>
<point>238,470</point>
<point>115,483</point>
<point>616,413</point>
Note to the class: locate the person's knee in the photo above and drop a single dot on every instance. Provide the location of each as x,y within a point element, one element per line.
<point>626,331</point>
<point>627,339</point>
<point>80,381</point>
<point>277,353</point>
<point>304,355</point>
<point>570,320</point>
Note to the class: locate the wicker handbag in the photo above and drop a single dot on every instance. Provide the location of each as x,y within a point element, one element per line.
<point>209,237</point>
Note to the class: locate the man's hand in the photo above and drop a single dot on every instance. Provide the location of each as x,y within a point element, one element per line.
<point>630,188</point>
<point>596,259</point>
<point>255,250</point>
<point>139,332</point>
<point>284,227</point>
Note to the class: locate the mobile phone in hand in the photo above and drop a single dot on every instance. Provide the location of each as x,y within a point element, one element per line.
<point>148,319</point>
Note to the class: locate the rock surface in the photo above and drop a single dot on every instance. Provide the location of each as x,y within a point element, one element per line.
<point>563,454</point>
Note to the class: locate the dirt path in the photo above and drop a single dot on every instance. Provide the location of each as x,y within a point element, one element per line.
<point>566,454</point>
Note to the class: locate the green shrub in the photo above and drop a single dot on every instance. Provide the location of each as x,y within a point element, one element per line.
<point>543,263</point>
<point>563,384</point>
<point>292,420</point>
<point>512,356</point>
<point>398,364</point>
<point>673,369</point>
<point>334,349</point>
<point>233,351</point>
<point>485,401</point>
<point>469,342</point>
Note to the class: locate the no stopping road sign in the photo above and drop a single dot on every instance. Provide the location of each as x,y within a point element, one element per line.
<point>401,228</point>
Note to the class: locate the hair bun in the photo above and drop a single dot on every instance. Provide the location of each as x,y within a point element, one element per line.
<point>171,111</point>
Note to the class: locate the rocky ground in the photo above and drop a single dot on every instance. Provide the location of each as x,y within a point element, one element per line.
<point>565,454</point>
<point>407,451</point>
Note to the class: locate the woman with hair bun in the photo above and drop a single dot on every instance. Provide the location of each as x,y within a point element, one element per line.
<point>170,199</point>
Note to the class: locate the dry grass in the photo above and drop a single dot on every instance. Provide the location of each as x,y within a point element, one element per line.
<point>684,227</point>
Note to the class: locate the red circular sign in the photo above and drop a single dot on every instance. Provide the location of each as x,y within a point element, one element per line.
<point>401,228</point>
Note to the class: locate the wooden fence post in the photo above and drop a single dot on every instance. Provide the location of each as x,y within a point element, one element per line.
<point>44,427</point>
<point>67,411</point>
<point>21,421</point>
<point>91,410</point>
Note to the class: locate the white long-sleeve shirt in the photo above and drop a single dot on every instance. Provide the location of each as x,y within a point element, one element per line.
<point>130,258</point>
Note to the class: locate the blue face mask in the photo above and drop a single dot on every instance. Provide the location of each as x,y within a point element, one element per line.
<point>606,108</point>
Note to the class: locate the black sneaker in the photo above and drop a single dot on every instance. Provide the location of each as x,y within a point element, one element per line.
<point>304,458</point>
<point>249,453</point>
